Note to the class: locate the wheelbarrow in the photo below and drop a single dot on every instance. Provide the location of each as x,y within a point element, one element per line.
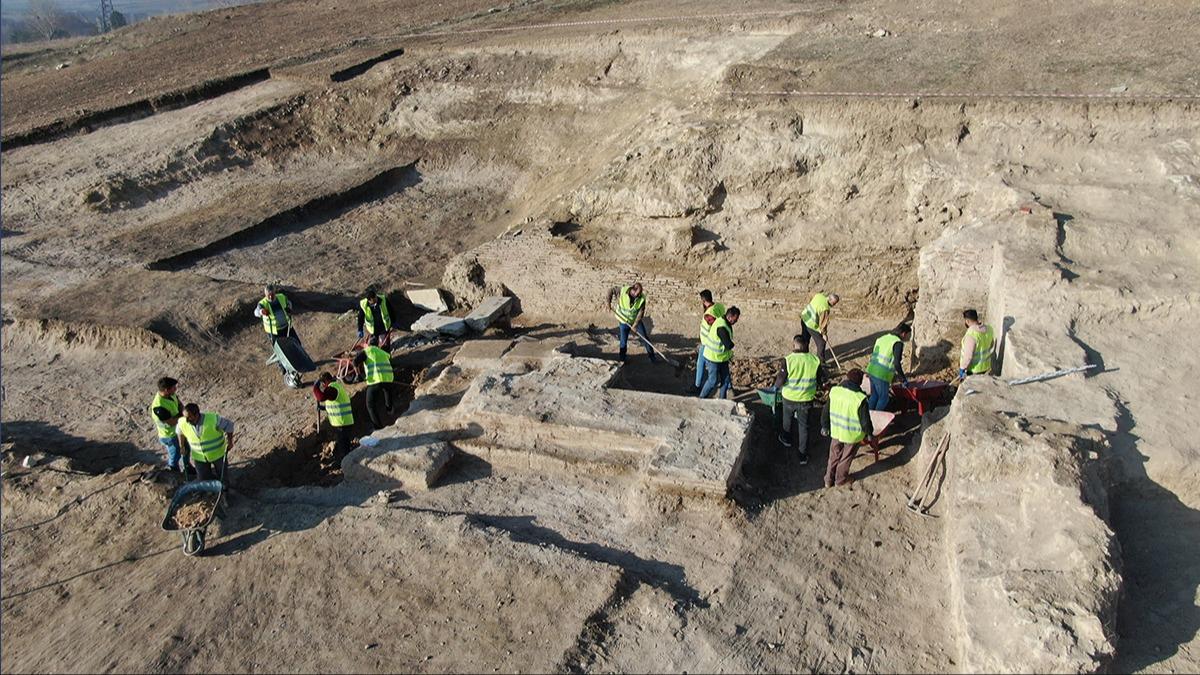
<point>193,537</point>
<point>880,420</point>
<point>773,400</point>
<point>289,353</point>
<point>923,394</point>
<point>347,372</point>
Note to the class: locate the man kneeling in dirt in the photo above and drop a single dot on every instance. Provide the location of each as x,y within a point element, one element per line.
<point>847,419</point>
<point>208,437</point>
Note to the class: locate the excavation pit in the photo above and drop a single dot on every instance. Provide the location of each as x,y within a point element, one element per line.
<point>538,408</point>
<point>310,459</point>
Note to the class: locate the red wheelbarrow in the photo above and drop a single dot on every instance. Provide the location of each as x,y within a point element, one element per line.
<point>922,393</point>
<point>347,372</point>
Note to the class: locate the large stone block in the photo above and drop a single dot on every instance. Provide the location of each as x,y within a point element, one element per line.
<point>1034,566</point>
<point>538,352</point>
<point>487,312</point>
<point>567,414</point>
<point>438,323</point>
<point>430,299</point>
<point>481,354</point>
<point>412,453</point>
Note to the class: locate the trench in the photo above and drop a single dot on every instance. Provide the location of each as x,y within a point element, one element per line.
<point>309,459</point>
<point>314,212</point>
<point>137,110</point>
<point>346,74</point>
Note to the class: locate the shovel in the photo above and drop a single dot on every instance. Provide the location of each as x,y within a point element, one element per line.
<point>670,361</point>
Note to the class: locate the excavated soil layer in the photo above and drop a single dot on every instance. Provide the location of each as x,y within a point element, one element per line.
<point>552,165</point>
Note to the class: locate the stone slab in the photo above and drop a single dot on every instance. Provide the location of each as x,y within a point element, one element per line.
<point>487,312</point>
<point>481,354</point>
<point>440,323</point>
<point>412,453</point>
<point>538,351</point>
<point>567,413</point>
<point>427,298</point>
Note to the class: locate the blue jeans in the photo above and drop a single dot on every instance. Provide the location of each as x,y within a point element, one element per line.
<point>701,364</point>
<point>641,329</point>
<point>881,392</point>
<point>714,374</point>
<point>174,458</point>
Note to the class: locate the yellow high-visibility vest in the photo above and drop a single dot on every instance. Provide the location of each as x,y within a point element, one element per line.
<point>817,308</point>
<point>171,403</point>
<point>274,315</point>
<point>981,358</point>
<point>369,316</point>
<point>628,310</point>
<point>882,363</point>
<point>714,350</point>
<point>801,382</point>
<point>717,310</point>
<point>210,445</point>
<point>339,410</point>
<point>378,365</point>
<point>843,415</point>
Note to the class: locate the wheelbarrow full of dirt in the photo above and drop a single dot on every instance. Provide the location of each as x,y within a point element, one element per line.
<point>192,510</point>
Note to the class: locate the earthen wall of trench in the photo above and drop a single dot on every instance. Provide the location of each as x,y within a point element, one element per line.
<point>1034,565</point>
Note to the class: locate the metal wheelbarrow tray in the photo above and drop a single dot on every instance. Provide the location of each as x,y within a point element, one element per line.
<point>922,393</point>
<point>193,537</point>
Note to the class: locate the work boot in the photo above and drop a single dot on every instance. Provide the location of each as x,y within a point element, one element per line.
<point>621,356</point>
<point>785,440</point>
<point>803,458</point>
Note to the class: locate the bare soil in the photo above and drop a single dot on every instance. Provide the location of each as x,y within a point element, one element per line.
<point>194,511</point>
<point>626,140</point>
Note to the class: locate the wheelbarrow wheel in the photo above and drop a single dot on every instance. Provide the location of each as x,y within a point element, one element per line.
<point>193,542</point>
<point>350,378</point>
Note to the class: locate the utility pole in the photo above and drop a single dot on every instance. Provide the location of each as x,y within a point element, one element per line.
<point>106,10</point>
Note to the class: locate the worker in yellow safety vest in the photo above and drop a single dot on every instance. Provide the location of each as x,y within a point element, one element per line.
<point>275,310</point>
<point>848,421</point>
<point>710,312</point>
<point>376,363</point>
<point>165,411</point>
<point>374,314</point>
<point>886,366</point>
<point>978,343</point>
<point>209,439</point>
<point>335,399</point>
<point>815,321</point>
<point>630,311</point>
<point>797,381</point>
<point>718,352</point>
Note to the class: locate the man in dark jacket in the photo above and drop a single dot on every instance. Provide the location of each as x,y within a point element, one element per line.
<point>847,422</point>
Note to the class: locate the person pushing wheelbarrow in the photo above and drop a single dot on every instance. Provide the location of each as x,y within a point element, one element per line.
<point>208,438</point>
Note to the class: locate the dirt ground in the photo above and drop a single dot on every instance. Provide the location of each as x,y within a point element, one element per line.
<point>652,137</point>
